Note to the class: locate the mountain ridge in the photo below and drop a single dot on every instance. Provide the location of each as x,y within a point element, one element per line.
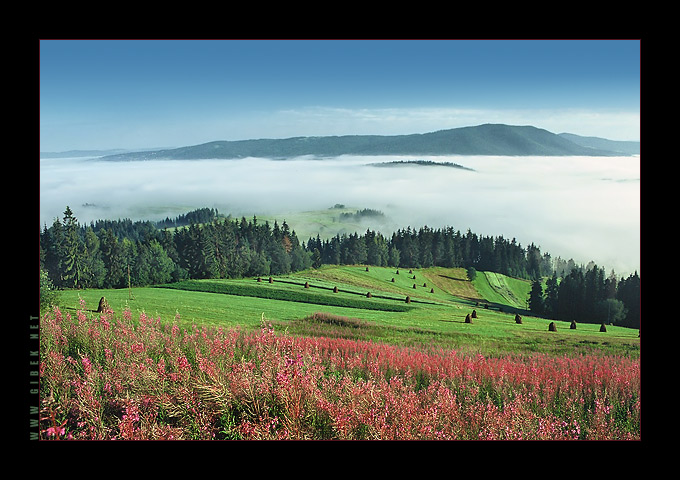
<point>622,146</point>
<point>486,139</point>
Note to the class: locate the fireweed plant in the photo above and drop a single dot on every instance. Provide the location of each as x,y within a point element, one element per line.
<point>109,377</point>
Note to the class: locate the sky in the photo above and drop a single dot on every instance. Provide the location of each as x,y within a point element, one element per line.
<point>138,94</point>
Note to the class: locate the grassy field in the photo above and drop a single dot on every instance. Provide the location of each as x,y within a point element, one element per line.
<point>440,299</point>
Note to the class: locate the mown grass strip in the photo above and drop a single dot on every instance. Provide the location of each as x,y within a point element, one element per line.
<point>264,291</point>
<point>353,292</point>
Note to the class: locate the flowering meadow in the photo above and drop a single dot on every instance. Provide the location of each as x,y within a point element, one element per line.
<point>109,376</point>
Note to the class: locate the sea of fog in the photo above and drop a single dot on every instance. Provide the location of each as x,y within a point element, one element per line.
<point>585,208</point>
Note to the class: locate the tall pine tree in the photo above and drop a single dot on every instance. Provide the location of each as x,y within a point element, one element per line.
<point>112,257</point>
<point>536,300</point>
<point>71,261</point>
<point>551,296</point>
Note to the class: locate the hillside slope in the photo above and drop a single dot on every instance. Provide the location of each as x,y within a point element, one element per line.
<point>429,284</point>
<point>502,290</point>
<point>625,148</point>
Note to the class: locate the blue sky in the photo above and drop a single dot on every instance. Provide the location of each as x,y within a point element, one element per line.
<point>150,94</point>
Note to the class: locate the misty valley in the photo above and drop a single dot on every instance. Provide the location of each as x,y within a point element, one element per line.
<point>585,208</point>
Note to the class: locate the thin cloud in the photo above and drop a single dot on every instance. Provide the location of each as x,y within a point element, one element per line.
<point>319,121</point>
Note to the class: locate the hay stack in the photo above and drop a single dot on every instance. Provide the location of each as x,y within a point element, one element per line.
<point>603,328</point>
<point>306,284</point>
<point>335,289</point>
<point>573,325</point>
<point>474,314</point>
<point>103,305</point>
<point>468,319</point>
<point>518,318</point>
<point>552,327</point>
<point>368,295</point>
<point>408,299</point>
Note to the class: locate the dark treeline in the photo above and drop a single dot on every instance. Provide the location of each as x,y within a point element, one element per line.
<point>361,214</point>
<point>587,295</point>
<point>115,254</point>
<point>427,247</point>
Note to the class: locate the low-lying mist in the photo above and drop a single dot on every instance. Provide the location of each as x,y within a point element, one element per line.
<point>585,208</point>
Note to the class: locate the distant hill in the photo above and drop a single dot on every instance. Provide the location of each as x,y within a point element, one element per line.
<point>623,148</point>
<point>487,139</point>
<point>92,153</point>
<point>81,153</point>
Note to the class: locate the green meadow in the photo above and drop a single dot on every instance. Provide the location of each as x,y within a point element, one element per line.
<point>420,307</point>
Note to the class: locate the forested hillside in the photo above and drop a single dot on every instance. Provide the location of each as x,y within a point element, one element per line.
<point>115,254</point>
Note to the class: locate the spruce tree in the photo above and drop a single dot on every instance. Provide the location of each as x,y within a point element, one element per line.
<point>212,252</point>
<point>536,301</point>
<point>52,244</point>
<point>394,257</point>
<point>113,259</point>
<point>190,252</point>
<point>551,296</point>
<point>533,257</point>
<point>593,293</point>
<point>94,271</point>
<point>629,293</point>
<point>152,265</point>
<point>316,258</point>
<point>280,260</point>
<point>72,252</point>
<point>571,296</point>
